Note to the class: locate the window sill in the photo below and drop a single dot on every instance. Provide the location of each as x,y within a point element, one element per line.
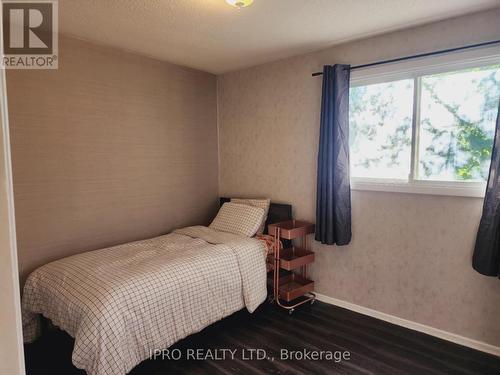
<point>460,189</point>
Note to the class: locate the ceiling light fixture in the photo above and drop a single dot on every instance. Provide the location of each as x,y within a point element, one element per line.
<point>239,3</point>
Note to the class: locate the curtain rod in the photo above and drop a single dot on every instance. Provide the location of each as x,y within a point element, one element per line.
<point>419,55</point>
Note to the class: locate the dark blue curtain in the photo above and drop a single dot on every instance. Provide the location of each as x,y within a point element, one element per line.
<point>486,259</point>
<point>333,200</point>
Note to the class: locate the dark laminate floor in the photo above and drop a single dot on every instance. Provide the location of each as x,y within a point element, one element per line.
<point>376,347</point>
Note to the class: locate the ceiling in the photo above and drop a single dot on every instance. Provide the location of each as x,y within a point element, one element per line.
<point>215,37</point>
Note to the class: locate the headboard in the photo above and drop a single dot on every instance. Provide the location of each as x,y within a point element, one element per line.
<point>277,212</point>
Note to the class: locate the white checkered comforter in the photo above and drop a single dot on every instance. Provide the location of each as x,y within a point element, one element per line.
<point>121,302</point>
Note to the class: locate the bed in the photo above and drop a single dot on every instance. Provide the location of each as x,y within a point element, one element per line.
<point>122,302</point>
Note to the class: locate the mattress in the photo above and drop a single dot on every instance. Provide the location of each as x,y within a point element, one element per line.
<point>122,302</point>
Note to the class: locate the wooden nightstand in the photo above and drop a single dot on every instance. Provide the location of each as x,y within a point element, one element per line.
<point>287,289</point>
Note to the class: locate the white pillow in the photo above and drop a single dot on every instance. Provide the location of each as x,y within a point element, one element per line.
<point>262,203</point>
<point>239,219</point>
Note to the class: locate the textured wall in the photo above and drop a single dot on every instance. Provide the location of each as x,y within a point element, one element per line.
<point>111,147</point>
<point>411,254</point>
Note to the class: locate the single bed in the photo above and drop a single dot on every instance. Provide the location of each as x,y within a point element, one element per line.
<point>122,302</point>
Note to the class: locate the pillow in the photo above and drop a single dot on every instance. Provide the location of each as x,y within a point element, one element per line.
<point>262,203</point>
<point>239,219</point>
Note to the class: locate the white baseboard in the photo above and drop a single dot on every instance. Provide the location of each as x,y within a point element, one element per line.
<point>457,339</point>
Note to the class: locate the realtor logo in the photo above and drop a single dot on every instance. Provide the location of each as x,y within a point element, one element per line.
<point>30,34</point>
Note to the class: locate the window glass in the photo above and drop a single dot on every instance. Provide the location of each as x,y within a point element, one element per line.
<point>381,129</point>
<point>458,113</point>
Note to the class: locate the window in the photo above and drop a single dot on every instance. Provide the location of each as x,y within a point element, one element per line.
<point>380,129</point>
<point>424,133</point>
<point>457,124</point>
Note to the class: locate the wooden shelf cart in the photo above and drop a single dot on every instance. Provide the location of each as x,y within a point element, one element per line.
<point>293,289</point>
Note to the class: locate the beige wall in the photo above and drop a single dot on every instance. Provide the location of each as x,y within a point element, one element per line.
<point>411,254</point>
<point>111,147</point>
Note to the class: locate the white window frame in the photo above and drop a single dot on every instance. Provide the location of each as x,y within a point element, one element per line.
<point>415,69</point>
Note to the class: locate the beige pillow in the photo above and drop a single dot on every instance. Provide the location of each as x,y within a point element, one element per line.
<point>238,219</point>
<point>262,203</point>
